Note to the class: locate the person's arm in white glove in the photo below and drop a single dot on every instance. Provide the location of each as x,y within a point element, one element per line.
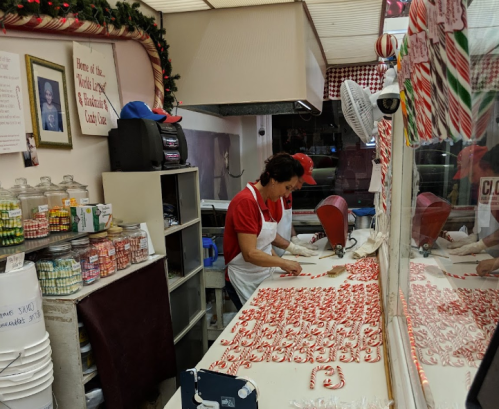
<point>300,250</point>
<point>472,238</point>
<point>472,248</point>
<point>303,243</point>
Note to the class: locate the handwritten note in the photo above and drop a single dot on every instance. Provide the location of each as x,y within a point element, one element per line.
<point>21,315</point>
<point>12,133</point>
<point>14,262</point>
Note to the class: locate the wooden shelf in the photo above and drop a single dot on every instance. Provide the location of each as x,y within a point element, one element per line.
<point>178,227</point>
<point>193,322</point>
<point>176,282</point>
<point>38,244</point>
<point>88,289</point>
<point>88,377</point>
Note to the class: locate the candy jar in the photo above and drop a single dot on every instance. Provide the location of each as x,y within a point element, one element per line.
<point>35,208</point>
<point>11,221</point>
<point>121,244</point>
<point>138,242</point>
<point>77,192</point>
<point>59,270</point>
<point>58,200</point>
<point>89,260</point>
<point>107,253</point>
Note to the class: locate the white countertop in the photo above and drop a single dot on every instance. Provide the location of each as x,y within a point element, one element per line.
<point>279,383</point>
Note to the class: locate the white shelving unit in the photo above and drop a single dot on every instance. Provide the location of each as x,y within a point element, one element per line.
<point>61,320</point>
<point>139,197</point>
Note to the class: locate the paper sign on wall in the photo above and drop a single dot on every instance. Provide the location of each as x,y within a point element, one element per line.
<point>12,134</point>
<point>94,79</point>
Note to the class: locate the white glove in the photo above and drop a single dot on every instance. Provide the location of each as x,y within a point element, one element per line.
<point>301,251</point>
<point>473,248</point>
<point>298,242</point>
<point>472,238</point>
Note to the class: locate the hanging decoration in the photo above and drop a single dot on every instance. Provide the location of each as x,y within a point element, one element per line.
<point>381,69</point>
<point>98,19</point>
<point>364,75</point>
<point>386,46</point>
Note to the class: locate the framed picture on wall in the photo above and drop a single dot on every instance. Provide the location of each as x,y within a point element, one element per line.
<point>48,98</point>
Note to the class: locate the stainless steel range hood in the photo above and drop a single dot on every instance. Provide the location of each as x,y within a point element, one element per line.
<point>247,60</point>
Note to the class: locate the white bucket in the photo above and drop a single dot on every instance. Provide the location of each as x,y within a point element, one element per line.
<point>9,384</point>
<point>27,351</point>
<point>21,313</point>
<point>38,397</point>
<point>25,364</point>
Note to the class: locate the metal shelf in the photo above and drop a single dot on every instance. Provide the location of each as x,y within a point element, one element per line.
<point>178,227</point>
<point>176,282</point>
<point>88,377</point>
<point>38,244</point>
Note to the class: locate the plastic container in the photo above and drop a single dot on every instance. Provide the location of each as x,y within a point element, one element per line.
<point>87,359</point>
<point>138,242</point>
<point>107,253</point>
<point>21,313</point>
<point>58,201</point>
<point>35,209</point>
<point>121,244</point>
<point>11,221</point>
<point>82,333</point>
<point>25,364</point>
<point>59,270</point>
<point>39,396</point>
<point>77,192</point>
<point>89,260</point>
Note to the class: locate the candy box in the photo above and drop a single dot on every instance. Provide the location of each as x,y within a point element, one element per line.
<point>91,218</point>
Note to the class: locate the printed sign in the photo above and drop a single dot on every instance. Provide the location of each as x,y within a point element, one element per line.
<point>95,85</point>
<point>12,133</point>
<point>21,315</point>
<point>489,192</point>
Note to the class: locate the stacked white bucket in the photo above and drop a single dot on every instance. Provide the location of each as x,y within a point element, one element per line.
<point>26,369</point>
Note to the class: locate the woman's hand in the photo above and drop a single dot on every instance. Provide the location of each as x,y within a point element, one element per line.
<point>487,266</point>
<point>291,267</point>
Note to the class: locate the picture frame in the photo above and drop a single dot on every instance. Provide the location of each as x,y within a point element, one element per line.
<point>48,99</point>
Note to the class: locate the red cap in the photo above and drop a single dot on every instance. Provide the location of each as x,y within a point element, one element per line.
<point>308,167</point>
<point>169,118</point>
<point>468,157</point>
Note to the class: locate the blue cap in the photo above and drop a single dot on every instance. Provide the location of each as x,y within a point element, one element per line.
<point>140,110</point>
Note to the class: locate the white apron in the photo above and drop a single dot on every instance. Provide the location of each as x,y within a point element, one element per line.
<point>284,227</point>
<point>244,276</point>
<point>487,224</point>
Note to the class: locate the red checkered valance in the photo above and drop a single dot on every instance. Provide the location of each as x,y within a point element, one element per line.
<point>365,76</point>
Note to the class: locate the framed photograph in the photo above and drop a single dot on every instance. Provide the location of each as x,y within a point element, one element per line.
<point>48,97</point>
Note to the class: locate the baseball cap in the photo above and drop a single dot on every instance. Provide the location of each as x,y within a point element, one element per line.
<point>170,119</point>
<point>308,167</point>
<point>468,157</point>
<point>140,110</point>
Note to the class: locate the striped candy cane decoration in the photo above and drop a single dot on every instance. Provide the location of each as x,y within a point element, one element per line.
<point>328,383</point>
<point>412,131</point>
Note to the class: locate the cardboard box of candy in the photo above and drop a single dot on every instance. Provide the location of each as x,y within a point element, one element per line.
<point>91,218</point>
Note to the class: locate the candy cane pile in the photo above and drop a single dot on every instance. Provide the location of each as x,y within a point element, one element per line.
<point>417,272</point>
<point>307,325</point>
<point>452,327</point>
<point>366,269</point>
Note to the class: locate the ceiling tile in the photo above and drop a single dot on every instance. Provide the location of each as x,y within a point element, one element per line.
<point>347,50</point>
<point>177,6</point>
<point>241,3</point>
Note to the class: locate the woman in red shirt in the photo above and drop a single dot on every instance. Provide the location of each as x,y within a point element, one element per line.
<point>250,229</point>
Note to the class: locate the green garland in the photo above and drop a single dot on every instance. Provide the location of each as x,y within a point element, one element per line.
<point>101,13</point>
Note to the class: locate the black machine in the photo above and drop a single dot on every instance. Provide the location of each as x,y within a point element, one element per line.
<point>484,393</point>
<point>206,389</point>
<point>139,145</point>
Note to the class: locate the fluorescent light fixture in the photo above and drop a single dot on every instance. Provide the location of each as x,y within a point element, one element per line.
<point>444,154</point>
<point>304,105</point>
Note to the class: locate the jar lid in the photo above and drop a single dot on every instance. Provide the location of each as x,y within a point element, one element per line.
<point>130,226</point>
<point>46,185</point>
<point>80,242</point>
<point>69,183</point>
<point>6,194</point>
<point>114,230</point>
<point>22,187</point>
<point>100,235</point>
<point>60,247</point>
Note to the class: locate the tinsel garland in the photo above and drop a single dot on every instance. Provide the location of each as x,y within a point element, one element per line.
<point>102,14</point>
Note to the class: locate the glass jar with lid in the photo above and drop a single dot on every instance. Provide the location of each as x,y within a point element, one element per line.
<point>121,244</point>
<point>58,200</point>
<point>77,192</point>
<point>138,242</point>
<point>89,260</point>
<point>59,270</point>
<point>35,208</point>
<point>11,221</point>
<point>107,253</point>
